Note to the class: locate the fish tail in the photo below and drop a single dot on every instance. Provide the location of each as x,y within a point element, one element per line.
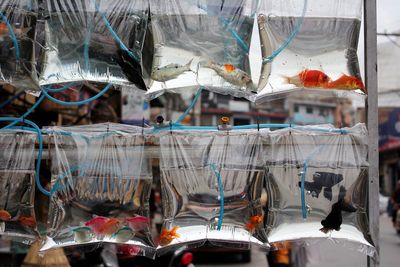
<point>324,230</point>
<point>187,66</point>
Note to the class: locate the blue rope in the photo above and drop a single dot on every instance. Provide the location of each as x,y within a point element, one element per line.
<point>115,35</point>
<point>236,35</point>
<point>78,103</point>
<point>191,106</point>
<point>58,90</point>
<point>13,37</point>
<point>221,196</point>
<point>39,158</point>
<point>290,37</point>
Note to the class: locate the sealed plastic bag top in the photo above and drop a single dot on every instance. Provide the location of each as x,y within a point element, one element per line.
<point>17,35</point>
<point>17,186</point>
<point>317,186</point>
<point>99,41</point>
<point>309,44</point>
<point>101,183</point>
<point>202,43</point>
<point>211,185</point>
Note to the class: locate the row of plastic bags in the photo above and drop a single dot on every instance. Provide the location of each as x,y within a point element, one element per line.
<point>161,46</point>
<point>316,182</point>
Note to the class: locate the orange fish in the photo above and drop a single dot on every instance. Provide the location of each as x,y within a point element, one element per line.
<point>167,236</point>
<point>346,82</point>
<point>3,28</point>
<point>109,227</point>
<point>96,223</point>
<point>229,67</point>
<point>4,215</point>
<point>309,79</point>
<point>27,221</point>
<point>254,222</point>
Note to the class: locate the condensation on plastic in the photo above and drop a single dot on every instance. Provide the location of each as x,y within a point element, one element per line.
<point>195,166</point>
<point>83,41</point>
<point>17,38</point>
<point>101,182</point>
<point>317,50</point>
<point>17,186</point>
<point>335,171</point>
<point>202,43</point>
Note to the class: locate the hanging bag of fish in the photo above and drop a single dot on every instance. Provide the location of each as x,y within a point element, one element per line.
<point>211,184</point>
<point>17,186</point>
<point>17,41</point>
<point>309,44</point>
<point>202,43</point>
<point>317,186</point>
<point>95,41</point>
<point>101,185</point>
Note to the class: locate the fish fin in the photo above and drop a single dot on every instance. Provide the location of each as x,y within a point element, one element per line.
<point>187,66</point>
<point>324,230</point>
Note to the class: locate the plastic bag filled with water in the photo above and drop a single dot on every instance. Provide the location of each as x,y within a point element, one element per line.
<point>309,44</point>
<point>17,186</point>
<point>211,184</point>
<point>317,186</point>
<point>17,39</point>
<point>101,185</point>
<point>202,43</point>
<point>99,41</point>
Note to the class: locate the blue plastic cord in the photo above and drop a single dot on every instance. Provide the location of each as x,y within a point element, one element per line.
<point>10,100</point>
<point>12,34</point>
<point>115,35</point>
<point>78,103</point>
<point>191,106</point>
<point>39,158</point>
<point>221,196</point>
<point>27,113</point>
<point>58,90</point>
<point>303,178</point>
<point>290,38</point>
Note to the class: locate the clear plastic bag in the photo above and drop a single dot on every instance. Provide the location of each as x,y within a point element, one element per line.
<point>309,44</point>
<point>98,41</point>
<point>333,203</point>
<point>17,39</point>
<point>212,184</point>
<point>17,186</point>
<point>202,43</point>
<point>101,182</point>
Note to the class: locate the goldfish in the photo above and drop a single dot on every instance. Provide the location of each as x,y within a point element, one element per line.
<point>4,215</point>
<point>253,222</point>
<point>109,227</point>
<point>309,79</point>
<point>346,82</point>
<point>27,221</point>
<point>138,223</point>
<point>167,236</point>
<point>231,74</point>
<point>170,71</point>
<point>96,223</point>
<point>131,250</point>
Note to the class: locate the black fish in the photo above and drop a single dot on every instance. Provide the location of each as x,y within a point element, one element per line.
<point>334,219</point>
<point>131,68</point>
<point>320,180</point>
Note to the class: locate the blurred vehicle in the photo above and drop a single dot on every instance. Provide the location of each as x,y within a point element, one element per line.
<point>383,203</point>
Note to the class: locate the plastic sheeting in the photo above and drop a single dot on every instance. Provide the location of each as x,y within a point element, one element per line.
<point>17,186</point>
<point>17,37</point>
<point>334,200</point>
<point>202,43</point>
<point>101,184</point>
<point>211,184</point>
<point>99,41</point>
<point>309,44</point>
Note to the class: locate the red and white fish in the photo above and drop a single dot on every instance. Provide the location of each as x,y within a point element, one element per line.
<point>231,74</point>
<point>167,236</point>
<point>309,79</point>
<point>109,227</point>
<point>96,223</point>
<point>138,223</point>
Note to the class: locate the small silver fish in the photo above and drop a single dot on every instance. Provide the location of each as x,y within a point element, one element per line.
<point>170,71</point>
<point>231,74</point>
<point>266,50</point>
